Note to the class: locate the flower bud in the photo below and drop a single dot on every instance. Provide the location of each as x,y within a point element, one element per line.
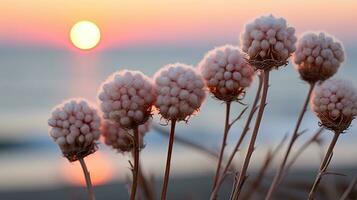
<point>226,72</point>
<point>123,139</point>
<point>268,41</point>
<point>74,126</point>
<point>318,56</point>
<point>335,103</point>
<point>127,98</point>
<point>180,91</point>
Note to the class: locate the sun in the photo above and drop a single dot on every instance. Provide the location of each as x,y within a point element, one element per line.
<point>85,35</point>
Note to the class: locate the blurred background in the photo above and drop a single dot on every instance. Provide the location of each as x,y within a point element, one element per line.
<point>40,67</point>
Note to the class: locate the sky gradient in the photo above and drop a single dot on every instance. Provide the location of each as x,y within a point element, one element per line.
<point>135,23</point>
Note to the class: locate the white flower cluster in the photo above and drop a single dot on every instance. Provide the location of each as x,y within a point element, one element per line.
<point>318,56</point>
<point>180,91</point>
<point>120,139</point>
<point>127,98</point>
<point>268,37</point>
<point>335,102</point>
<point>75,127</point>
<point>226,72</point>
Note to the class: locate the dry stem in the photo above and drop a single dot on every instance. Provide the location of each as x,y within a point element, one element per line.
<point>243,171</point>
<point>168,160</point>
<point>147,190</point>
<point>278,176</point>
<point>136,164</point>
<point>324,165</point>
<point>349,189</point>
<point>224,142</point>
<point>268,159</point>
<point>313,139</point>
<point>240,140</point>
<point>87,177</point>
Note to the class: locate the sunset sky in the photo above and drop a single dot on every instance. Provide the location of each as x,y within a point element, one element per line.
<point>174,22</point>
<point>39,68</point>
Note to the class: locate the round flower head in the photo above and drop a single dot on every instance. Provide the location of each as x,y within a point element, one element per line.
<point>121,139</point>
<point>180,91</point>
<point>127,98</point>
<point>226,72</point>
<point>318,56</point>
<point>74,126</point>
<point>335,103</point>
<point>268,41</point>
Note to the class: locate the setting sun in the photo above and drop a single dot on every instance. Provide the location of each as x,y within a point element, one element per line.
<point>85,35</point>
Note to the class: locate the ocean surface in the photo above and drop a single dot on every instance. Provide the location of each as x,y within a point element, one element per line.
<point>33,80</point>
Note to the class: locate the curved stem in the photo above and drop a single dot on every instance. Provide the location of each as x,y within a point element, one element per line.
<point>224,142</point>
<point>136,164</point>
<point>313,139</point>
<point>278,176</point>
<point>323,166</point>
<point>243,171</point>
<point>168,160</point>
<point>349,189</point>
<point>240,140</point>
<point>87,177</point>
<point>147,190</point>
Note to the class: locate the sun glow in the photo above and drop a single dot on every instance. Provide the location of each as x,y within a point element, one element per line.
<point>85,35</point>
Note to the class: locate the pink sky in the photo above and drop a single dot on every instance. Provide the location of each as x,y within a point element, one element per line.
<point>129,23</point>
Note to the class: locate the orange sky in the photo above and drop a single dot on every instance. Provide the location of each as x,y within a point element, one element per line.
<point>126,23</point>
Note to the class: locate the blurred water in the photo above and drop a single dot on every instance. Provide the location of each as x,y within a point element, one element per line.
<point>33,80</point>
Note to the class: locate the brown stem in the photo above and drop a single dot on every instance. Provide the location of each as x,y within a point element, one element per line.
<point>240,140</point>
<point>136,164</point>
<point>168,160</point>
<point>224,142</point>
<point>243,171</point>
<point>278,176</point>
<point>313,139</point>
<point>262,172</point>
<point>147,190</point>
<point>349,189</point>
<point>87,177</point>
<point>323,166</point>
<point>187,142</point>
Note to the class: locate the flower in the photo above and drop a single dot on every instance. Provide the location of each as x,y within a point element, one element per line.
<point>268,41</point>
<point>318,56</point>
<point>127,98</point>
<point>226,72</point>
<point>121,139</point>
<point>335,103</point>
<point>74,126</point>
<point>180,91</point>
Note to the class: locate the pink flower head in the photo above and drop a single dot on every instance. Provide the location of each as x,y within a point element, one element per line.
<point>226,72</point>
<point>268,41</point>
<point>127,98</point>
<point>318,56</point>
<point>74,126</point>
<point>180,91</point>
<point>335,103</point>
<point>122,139</point>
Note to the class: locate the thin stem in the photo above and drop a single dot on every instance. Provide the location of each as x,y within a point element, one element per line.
<point>88,180</point>
<point>314,138</point>
<point>187,142</point>
<point>243,171</point>
<point>323,166</point>
<point>349,189</point>
<point>240,140</point>
<point>224,142</point>
<point>136,164</point>
<point>278,176</point>
<point>269,157</point>
<point>168,160</point>
<point>147,190</point>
